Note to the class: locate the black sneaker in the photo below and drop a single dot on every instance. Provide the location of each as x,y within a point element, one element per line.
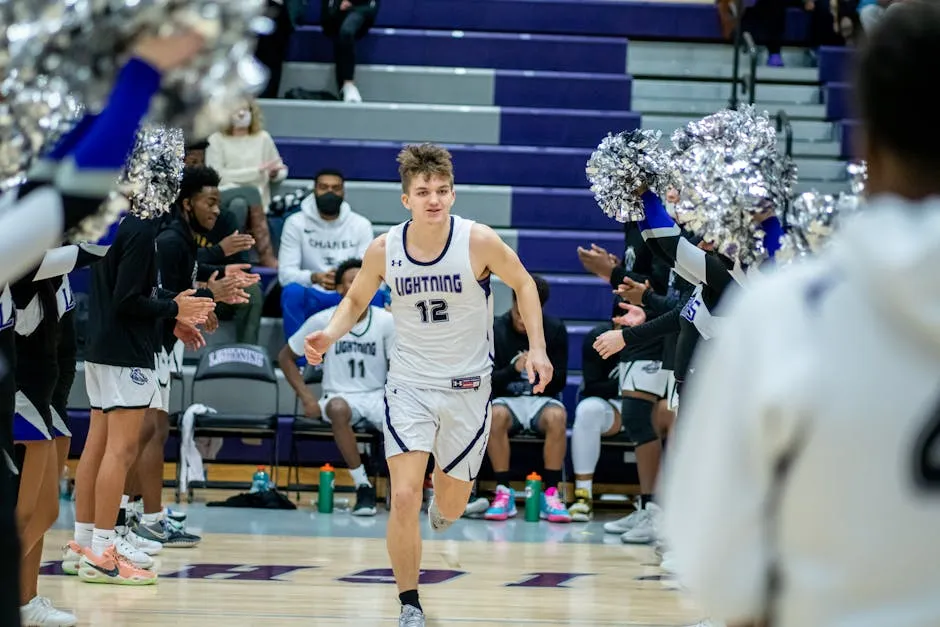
<point>365,501</point>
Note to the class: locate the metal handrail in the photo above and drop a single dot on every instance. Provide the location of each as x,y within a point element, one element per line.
<point>742,39</point>
<point>752,80</point>
<point>783,124</point>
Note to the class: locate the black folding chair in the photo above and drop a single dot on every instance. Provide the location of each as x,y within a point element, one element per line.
<point>236,373</point>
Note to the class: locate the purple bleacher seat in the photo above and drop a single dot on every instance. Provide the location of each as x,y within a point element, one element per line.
<point>838,100</point>
<point>553,208</point>
<point>652,20</point>
<point>835,64</point>
<point>500,51</point>
<point>520,166</point>
<point>576,335</point>
<point>850,131</point>
<point>579,297</point>
<point>564,90</point>
<point>561,127</point>
<point>556,251</point>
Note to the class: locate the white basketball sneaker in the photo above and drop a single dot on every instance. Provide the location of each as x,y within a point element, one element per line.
<point>41,613</point>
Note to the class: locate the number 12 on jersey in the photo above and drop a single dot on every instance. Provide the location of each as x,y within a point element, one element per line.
<point>434,310</point>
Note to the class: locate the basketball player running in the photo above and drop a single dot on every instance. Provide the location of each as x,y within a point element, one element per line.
<point>353,380</point>
<point>822,389</point>
<point>437,396</point>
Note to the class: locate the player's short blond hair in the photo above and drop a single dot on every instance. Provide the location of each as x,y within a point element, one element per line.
<point>425,160</point>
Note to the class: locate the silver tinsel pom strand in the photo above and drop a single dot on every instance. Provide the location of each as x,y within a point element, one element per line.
<point>154,171</point>
<point>147,187</point>
<point>621,165</point>
<point>33,116</point>
<point>86,42</point>
<point>812,218</point>
<point>730,176</point>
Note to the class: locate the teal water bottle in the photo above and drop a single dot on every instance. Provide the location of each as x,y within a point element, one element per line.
<point>260,482</point>
<point>533,497</point>
<point>325,494</point>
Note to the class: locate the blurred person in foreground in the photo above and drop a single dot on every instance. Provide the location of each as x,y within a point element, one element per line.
<point>824,390</point>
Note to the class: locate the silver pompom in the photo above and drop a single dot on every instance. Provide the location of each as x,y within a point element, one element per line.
<point>33,115</point>
<point>812,218</point>
<point>730,176</point>
<point>153,173</point>
<point>86,42</point>
<point>94,227</point>
<point>620,166</point>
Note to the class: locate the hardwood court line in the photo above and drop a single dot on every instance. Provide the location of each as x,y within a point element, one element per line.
<point>433,622</point>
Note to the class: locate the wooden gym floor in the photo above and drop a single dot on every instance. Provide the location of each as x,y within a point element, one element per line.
<point>280,567</point>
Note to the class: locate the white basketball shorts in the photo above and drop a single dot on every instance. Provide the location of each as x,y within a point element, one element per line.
<point>452,425</point>
<point>644,376</point>
<point>526,410</point>
<point>119,387</point>
<point>368,408</point>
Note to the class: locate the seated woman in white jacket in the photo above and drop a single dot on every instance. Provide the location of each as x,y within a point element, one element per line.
<point>246,158</point>
<point>314,242</point>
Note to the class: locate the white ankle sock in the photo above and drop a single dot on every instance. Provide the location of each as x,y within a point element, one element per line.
<point>149,519</point>
<point>125,499</point>
<point>83,533</point>
<point>585,484</point>
<point>101,539</point>
<point>359,476</point>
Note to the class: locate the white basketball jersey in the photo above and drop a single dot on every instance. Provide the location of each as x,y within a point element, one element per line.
<point>443,314</point>
<point>696,312</point>
<point>358,362</point>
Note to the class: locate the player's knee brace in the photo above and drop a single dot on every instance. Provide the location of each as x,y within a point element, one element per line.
<point>593,418</point>
<point>637,416</point>
<point>593,415</point>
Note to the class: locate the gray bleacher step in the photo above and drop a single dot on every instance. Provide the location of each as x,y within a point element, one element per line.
<point>403,84</point>
<point>642,51</point>
<point>823,187</point>
<point>803,130</point>
<point>722,72</point>
<point>672,105</point>
<point>686,90</point>
<point>382,121</point>
<point>381,201</point>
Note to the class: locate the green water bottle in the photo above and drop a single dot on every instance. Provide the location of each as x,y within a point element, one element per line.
<point>533,497</point>
<point>325,494</point>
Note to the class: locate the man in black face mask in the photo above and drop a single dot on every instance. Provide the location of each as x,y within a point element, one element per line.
<point>314,241</point>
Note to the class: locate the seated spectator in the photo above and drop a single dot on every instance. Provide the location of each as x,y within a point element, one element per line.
<point>221,245</point>
<point>315,239</point>
<point>597,416</point>
<point>345,22</point>
<point>246,158</point>
<point>195,154</point>
<point>516,409</point>
<point>354,373</point>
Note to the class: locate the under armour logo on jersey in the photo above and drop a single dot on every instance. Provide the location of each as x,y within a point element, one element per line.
<point>396,262</point>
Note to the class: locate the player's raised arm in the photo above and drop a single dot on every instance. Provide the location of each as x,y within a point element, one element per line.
<point>502,261</point>
<point>355,301</point>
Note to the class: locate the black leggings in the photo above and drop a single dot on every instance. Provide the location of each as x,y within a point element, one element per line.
<point>353,27</point>
<point>66,357</point>
<point>9,537</point>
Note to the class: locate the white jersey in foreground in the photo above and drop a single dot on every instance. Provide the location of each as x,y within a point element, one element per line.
<point>357,362</point>
<point>808,443</point>
<point>443,314</point>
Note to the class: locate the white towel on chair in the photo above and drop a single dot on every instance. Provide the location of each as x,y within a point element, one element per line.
<point>191,468</point>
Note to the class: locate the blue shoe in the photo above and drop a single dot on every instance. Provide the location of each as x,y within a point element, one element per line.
<point>553,510</point>
<point>503,506</point>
